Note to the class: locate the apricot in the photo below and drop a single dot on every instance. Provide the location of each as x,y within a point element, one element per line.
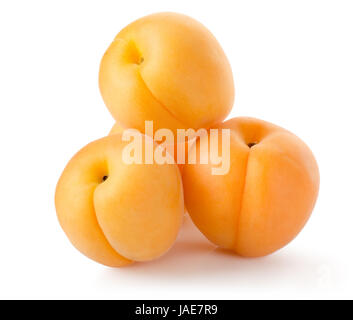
<point>167,68</point>
<point>115,212</point>
<point>266,197</point>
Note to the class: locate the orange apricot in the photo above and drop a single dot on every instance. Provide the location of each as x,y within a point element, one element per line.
<point>167,68</point>
<point>266,197</point>
<point>116,212</point>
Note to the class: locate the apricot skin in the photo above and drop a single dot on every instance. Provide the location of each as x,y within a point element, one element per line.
<point>267,196</point>
<point>167,68</point>
<point>116,128</point>
<point>117,213</point>
<point>176,147</point>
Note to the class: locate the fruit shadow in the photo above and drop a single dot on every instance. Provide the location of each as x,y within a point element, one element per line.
<point>194,258</point>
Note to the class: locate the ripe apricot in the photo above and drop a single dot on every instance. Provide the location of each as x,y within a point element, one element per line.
<point>167,68</point>
<point>267,196</point>
<point>115,212</point>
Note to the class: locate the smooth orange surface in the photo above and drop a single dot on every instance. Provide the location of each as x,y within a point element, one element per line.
<point>133,215</point>
<point>116,128</point>
<point>267,196</point>
<point>168,68</point>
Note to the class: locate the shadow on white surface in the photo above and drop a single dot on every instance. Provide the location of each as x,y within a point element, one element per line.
<point>195,262</point>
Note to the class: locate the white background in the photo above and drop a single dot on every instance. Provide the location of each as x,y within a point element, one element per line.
<point>293,66</point>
